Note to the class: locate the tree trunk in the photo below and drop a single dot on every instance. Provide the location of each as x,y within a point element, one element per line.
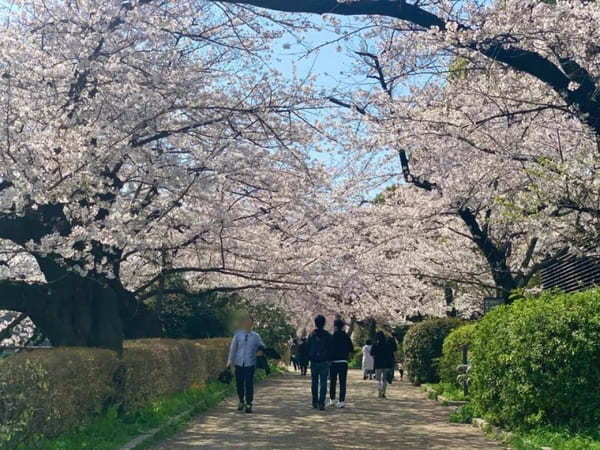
<point>81,311</point>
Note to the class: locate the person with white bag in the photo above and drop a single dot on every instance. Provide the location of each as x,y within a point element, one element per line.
<point>367,361</point>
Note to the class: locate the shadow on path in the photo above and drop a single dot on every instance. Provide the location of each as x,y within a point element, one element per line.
<point>283,418</point>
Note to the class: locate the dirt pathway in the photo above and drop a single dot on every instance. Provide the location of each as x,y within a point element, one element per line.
<point>284,419</point>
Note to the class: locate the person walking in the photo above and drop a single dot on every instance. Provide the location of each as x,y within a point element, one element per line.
<point>294,354</point>
<point>367,360</point>
<point>245,347</point>
<point>341,348</point>
<point>384,361</point>
<point>319,351</point>
<point>303,356</point>
<point>401,369</point>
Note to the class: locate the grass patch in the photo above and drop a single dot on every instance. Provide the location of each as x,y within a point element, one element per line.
<point>447,390</point>
<point>112,430</point>
<point>463,414</point>
<point>558,439</point>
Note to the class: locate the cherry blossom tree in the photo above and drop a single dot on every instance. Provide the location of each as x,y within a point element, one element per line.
<point>495,105</point>
<point>140,140</point>
<point>551,42</point>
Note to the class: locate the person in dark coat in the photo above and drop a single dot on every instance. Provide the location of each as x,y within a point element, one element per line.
<point>303,356</point>
<point>341,348</point>
<point>294,354</point>
<point>384,361</point>
<point>319,350</point>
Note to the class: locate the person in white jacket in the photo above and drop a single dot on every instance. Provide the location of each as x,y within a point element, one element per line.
<point>368,365</point>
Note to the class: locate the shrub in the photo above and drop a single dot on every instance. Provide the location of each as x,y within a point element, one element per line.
<point>46,392</point>
<point>452,353</point>
<point>274,326</point>
<point>192,315</point>
<point>356,359</point>
<point>538,362</point>
<point>423,345</point>
<point>464,414</point>
<point>153,368</point>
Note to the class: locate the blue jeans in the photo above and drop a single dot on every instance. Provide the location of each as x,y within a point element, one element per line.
<point>319,372</point>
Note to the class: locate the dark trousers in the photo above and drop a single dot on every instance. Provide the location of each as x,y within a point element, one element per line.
<point>338,370</point>
<point>244,380</point>
<point>318,386</point>
<point>303,367</point>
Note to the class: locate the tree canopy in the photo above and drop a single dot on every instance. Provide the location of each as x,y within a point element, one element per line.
<point>145,140</point>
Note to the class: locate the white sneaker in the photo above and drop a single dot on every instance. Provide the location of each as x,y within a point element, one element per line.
<point>332,402</point>
<point>340,405</point>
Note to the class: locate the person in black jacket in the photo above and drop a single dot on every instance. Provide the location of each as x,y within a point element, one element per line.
<point>319,345</point>
<point>341,348</point>
<point>303,356</point>
<point>294,354</point>
<point>383,354</point>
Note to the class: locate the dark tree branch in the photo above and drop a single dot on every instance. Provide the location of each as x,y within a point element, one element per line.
<point>495,256</point>
<point>542,265</point>
<point>5,184</point>
<point>6,333</point>
<point>338,102</point>
<point>380,75</point>
<point>141,141</point>
<point>418,181</point>
<point>398,9</point>
<point>529,252</point>
<point>18,295</point>
<point>34,224</point>
<point>184,291</point>
<point>500,48</point>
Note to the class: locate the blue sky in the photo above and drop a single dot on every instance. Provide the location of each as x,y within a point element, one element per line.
<point>333,67</point>
<point>311,56</point>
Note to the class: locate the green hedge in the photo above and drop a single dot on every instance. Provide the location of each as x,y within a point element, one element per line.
<point>538,362</point>
<point>156,367</point>
<point>46,392</point>
<point>356,359</point>
<point>452,353</point>
<point>423,346</point>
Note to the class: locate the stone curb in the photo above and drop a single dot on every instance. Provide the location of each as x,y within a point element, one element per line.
<point>131,445</point>
<point>447,402</point>
<point>497,432</point>
<point>482,424</point>
<point>443,400</point>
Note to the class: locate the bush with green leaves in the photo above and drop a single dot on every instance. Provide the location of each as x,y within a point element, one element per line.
<point>423,346</point>
<point>274,326</point>
<point>464,414</point>
<point>452,353</point>
<point>184,314</point>
<point>46,392</point>
<point>202,315</point>
<point>537,362</point>
<point>356,359</point>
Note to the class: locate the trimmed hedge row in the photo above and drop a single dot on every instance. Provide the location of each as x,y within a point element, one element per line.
<point>45,392</point>
<point>537,362</point>
<point>157,367</point>
<point>452,353</point>
<point>423,346</point>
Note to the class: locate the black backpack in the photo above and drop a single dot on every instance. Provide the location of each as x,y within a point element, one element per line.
<point>319,347</point>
